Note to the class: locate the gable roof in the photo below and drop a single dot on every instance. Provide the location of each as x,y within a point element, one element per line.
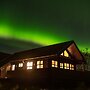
<point>55,49</point>
<point>3,55</point>
<point>42,51</point>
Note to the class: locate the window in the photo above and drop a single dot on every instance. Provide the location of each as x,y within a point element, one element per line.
<point>39,64</point>
<point>13,67</point>
<point>61,65</point>
<point>54,63</point>
<point>29,65</point>
<point>66,53</point>
<point>71,67</point>
<point>8,68</point>
<point>20,64</point>
<point>66,65</point>
<point>62,54</point>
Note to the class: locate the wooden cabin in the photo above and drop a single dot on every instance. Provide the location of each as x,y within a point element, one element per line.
<point>3,56</point>
<point>42,62</point>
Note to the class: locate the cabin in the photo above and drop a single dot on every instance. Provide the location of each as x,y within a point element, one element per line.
<point>3,56</point>
<point>44,62</point>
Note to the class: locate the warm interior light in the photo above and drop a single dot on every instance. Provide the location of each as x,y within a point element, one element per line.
<point>66,65</point>
<point>61,65</point>
<point>8,68</point>
<point>20,64</point>
<point>29,65</point>
<point>71,67</point>
<point>54,63</point>
<point>62,54</point>
<point>13,67</point>
<point>39,64</point>
<point>66,53</point>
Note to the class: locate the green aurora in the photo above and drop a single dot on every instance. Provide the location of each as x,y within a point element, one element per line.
<point>34,34</point>
<point>46,22</point>
<point>39,35</point>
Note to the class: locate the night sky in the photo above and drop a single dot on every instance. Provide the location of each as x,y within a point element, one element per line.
<point>27,24</point>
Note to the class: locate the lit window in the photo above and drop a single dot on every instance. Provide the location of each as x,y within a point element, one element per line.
<point>61,65</point>
<point>8,68</point>
<point>29,65</point>
<point>66,54</point>
<point>62,54</point>
<point>39,64</point>
<point>54,63</point>
<point>20,64</point>
<point>13,67</point>
<point>66,65</point>
<point>71,67</point>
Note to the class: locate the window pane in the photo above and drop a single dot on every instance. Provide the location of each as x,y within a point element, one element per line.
<point>62,54</point>
<point>66,65</point>
<point>71,67</point>
<point>8,68</point>
<point>29,63</point>
<point>61,65</point>
<point>52,65</point>
<point>20,64</point>
<point>66,53</point>
<point>56,63</point>
<point>39,64</point>
<point>56,66</point>
<point>52,62</point>
<point>13,67</point>
<point>29,67</point>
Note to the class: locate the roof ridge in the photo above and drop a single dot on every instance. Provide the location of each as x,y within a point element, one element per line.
<point>71,41</point>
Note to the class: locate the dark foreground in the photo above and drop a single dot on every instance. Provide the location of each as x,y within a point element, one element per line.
<point>54,80</point>
<point>12,84</point>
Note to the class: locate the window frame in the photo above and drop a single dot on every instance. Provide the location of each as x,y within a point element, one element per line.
<point>54,63</point>
<point>62,65</point>
<point>20,65</point>
<point>71,67</point>
<point>8,68</point>
<point>66,66</point>
<point>65,53</point>
<point>40,64</point>
<point>29,65</point>
<point>13,67</point>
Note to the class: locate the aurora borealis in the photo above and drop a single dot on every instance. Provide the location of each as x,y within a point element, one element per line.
<point>36,35</point>
<point>44,22</point>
